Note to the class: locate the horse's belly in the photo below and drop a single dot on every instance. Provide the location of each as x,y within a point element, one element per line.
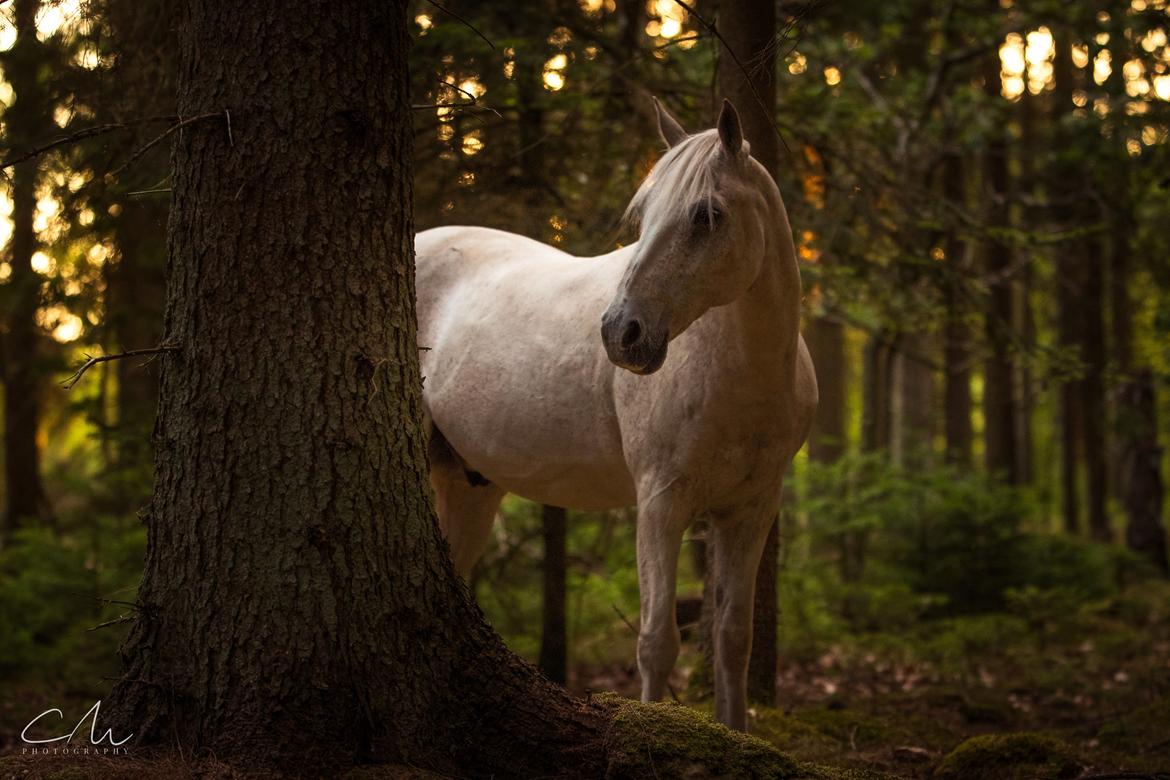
<point>584,487</point>
<point>538,457</point>
<point>535,421</point>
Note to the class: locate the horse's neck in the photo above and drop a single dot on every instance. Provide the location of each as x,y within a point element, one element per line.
<point>766,319</point>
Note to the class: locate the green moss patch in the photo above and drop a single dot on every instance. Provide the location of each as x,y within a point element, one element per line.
<point>1010,757</point>
<point>670,740</point>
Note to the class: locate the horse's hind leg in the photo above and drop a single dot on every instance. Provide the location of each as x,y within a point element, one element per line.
<point>738,544</point>
<point>465,503</point>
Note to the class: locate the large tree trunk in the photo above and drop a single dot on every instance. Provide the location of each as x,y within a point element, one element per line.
<point>25,494</point>
<point>298,608</point>
<point>748,27</point>
<point>999,400</point>
<point>554,634</point>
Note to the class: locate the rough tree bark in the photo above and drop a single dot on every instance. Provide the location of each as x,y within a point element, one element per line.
<point>554,639</point>
<point>25,125</point>
<point>748,28</point>
<point>298,608</point>
<point>999,398</point>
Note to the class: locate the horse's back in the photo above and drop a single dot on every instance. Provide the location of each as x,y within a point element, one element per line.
<point>516,377</point>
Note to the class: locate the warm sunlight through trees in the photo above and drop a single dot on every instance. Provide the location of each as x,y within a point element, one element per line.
<point>970,554</point>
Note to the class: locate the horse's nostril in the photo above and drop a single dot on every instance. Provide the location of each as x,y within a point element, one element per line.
<point>632,333</point>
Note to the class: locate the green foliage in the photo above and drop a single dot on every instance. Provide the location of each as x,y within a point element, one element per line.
<point>602,581</point>
<point>54,588</point>
<point>932,542</point>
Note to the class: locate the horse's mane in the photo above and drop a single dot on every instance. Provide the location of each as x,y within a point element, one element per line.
<point>684,176</point>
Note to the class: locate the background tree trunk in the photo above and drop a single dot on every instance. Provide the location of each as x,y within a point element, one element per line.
<point>145,44</point>
<point>1093,391</point>
<point>748,28</point>
<point>1028,151</point>
<point>135,294</point>
<point>875,402</point>
<point>1142,491</point>
<point>999,398</point>
<point>297,607</point>
<point>956,334</point>
<point>913,408</point>
<point>826,343</point>
<point>554,639</point>
<point>24,124</point>
<point>1069,292</point>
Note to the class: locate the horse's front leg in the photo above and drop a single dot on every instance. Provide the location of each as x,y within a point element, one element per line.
<point>738,539</point>
<point>662,520</point>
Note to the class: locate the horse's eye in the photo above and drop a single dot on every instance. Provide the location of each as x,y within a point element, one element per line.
<point>705,215</point>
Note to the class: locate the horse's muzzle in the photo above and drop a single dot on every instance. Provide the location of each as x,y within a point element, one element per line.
<point>631,345</point>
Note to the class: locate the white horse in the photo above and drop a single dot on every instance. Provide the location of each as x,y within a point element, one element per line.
<point>524,394</point>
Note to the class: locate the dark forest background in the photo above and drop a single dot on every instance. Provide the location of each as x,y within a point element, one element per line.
<point>972,544</point>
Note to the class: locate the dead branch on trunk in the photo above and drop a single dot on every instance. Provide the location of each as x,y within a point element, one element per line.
<point>92,361</point>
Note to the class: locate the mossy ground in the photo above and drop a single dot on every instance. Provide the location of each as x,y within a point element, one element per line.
<point>1083,693</point>
<point>673,740</point>
<point>985,697</point>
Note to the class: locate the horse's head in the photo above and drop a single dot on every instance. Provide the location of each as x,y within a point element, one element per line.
<point>702,213</point>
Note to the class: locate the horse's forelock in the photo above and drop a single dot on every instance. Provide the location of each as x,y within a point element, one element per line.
<point>684,176</point>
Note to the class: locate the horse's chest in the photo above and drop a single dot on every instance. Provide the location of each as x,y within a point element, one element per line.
<point>739,448</point>
<point>728,441</point>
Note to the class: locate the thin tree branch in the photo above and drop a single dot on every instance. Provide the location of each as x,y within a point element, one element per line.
<point>425,106</point>
<point>177,126</point>
<point>92,361</point>
<point>116,621</point>
<point>468,24</point>
<point>81,135</point>
<point>471,96</point>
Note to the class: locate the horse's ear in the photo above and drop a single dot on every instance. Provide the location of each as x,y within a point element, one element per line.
<point>730,131</point>
<point>670,130</point>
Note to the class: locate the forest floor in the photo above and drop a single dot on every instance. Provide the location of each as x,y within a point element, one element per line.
<point>1076,693</point>
<point>1081,694</point>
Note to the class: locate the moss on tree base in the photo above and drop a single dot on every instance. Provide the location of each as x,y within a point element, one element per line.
<point>670,740</point>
